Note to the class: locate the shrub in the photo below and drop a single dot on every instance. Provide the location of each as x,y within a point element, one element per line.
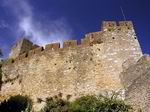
<point>99,104</point>
<point>84,104</point>
<point>89,103</point>
<point>56,104</point>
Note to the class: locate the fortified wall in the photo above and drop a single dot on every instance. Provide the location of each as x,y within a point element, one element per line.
<point>91,67</point>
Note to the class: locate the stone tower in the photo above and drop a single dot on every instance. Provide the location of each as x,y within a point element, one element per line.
<point>22,46</point>
<point>120,39</point>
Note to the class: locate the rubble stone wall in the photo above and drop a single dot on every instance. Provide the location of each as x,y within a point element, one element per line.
<point>89,68</point>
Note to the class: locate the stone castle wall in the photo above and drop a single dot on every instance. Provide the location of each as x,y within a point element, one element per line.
<point>89,68</point>
<point>136,80</point>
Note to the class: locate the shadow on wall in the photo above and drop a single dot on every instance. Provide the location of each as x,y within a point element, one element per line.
<point>16,104</point>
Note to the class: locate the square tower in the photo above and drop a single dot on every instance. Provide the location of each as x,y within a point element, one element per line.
<point>22,46</point>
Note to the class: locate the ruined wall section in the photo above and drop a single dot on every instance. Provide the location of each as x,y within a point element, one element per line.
<point>92,67</point>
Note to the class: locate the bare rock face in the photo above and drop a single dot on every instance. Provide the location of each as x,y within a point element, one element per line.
<point>136,80</point>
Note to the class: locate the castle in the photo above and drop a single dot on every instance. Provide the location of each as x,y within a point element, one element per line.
<point>91,67</point>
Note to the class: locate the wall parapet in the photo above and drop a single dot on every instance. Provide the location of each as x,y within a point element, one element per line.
<point>53,46</point>
<point>90,39</point>
<point>109,25</point>
<point>70,43</point>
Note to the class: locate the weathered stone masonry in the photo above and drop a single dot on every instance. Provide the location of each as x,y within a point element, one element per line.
<point>89,68</point>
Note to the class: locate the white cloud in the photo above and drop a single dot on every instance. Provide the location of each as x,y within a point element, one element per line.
<point>55,31</point>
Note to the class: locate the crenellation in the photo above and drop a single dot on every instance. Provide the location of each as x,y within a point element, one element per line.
<point>85,41</point>
<point>70,43</point>
<point>90,38</point>
<point>92,67</point>
<point>38,50</point>
<point>53,46</point>
<point>126,24</point>
<point>94,37</point>
<point>112,25</point>
<point>109,25</point>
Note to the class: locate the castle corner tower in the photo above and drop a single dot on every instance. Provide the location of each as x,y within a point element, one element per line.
<point>22,46</point>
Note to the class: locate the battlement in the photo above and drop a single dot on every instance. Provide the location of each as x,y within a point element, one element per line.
<point>108,24</point>
<point>53,46</point>
<point>126,23</point>
<point>112,25</point>
<point>28,49</point>
<point>38,49</point>
<point>70,43</point>
<point>78,69</point>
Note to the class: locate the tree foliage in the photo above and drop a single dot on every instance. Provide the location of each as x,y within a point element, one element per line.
<point>89,103</point>
<point>56,104</point>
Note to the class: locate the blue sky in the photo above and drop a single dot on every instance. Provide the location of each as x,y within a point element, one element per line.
<point>46,21</point>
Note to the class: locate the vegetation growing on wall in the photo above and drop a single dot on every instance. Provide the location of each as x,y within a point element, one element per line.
<point>89,103</point>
